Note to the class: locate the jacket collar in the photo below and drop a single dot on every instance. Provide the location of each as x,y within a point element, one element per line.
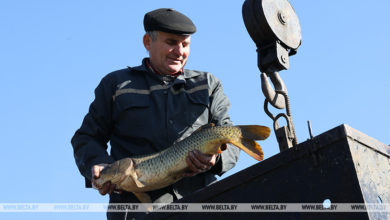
<point>186,73</point>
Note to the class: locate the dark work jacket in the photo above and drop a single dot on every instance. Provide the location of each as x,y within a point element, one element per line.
<point>139,113</point>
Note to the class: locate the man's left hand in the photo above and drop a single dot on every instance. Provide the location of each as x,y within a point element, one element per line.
<point>199,163</point>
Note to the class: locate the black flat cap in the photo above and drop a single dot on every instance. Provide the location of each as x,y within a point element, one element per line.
<point>168,20</point>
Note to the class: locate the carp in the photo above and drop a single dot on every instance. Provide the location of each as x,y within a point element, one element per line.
<point>150,172</point>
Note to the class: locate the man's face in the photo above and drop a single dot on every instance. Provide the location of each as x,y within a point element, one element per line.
<point>169,52</point>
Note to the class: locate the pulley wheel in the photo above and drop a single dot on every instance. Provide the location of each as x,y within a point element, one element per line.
<point>270,20</point>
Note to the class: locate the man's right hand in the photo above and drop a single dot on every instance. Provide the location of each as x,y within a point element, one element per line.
<point>107,187</point>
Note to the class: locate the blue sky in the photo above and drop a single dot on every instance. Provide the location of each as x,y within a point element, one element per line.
<point>54,53</point>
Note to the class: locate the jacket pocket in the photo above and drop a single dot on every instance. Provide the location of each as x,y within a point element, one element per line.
<point>200,97</point>
<point>133,108</point>
<point>197,113</point>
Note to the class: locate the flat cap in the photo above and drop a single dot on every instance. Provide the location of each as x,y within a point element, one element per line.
<point>168,20</point>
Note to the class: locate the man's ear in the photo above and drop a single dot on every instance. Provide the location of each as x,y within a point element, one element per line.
<point>147,41</point>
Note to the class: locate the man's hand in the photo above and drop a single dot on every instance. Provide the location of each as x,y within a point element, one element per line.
<point>199,163</point>
<point>107,187</point>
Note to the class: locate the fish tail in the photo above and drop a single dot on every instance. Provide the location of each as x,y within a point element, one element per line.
<point>255,132</point>
<point>247,142</point>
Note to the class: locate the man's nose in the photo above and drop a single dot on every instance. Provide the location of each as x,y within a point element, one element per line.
<point>179,50</point>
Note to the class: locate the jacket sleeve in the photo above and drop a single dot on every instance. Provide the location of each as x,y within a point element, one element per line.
<point>90,141</point>
<point>219,106</point>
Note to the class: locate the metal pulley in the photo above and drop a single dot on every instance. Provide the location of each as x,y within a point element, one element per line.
<point>274,27</point>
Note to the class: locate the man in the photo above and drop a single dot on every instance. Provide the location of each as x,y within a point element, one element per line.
<point>145,109</point>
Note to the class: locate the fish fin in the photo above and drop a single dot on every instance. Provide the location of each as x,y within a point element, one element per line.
<point>143,197</point>
<point>210,125</point>
<point>136,180</point>
<point>255,132</point>
<point>250,147</point>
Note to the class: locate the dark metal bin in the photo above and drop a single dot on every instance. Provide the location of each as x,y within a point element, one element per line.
<point>342,165</point>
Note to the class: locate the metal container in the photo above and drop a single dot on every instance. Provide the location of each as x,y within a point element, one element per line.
<point>341,165</point>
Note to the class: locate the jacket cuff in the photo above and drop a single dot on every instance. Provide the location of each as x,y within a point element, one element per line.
<point>88,183</point>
